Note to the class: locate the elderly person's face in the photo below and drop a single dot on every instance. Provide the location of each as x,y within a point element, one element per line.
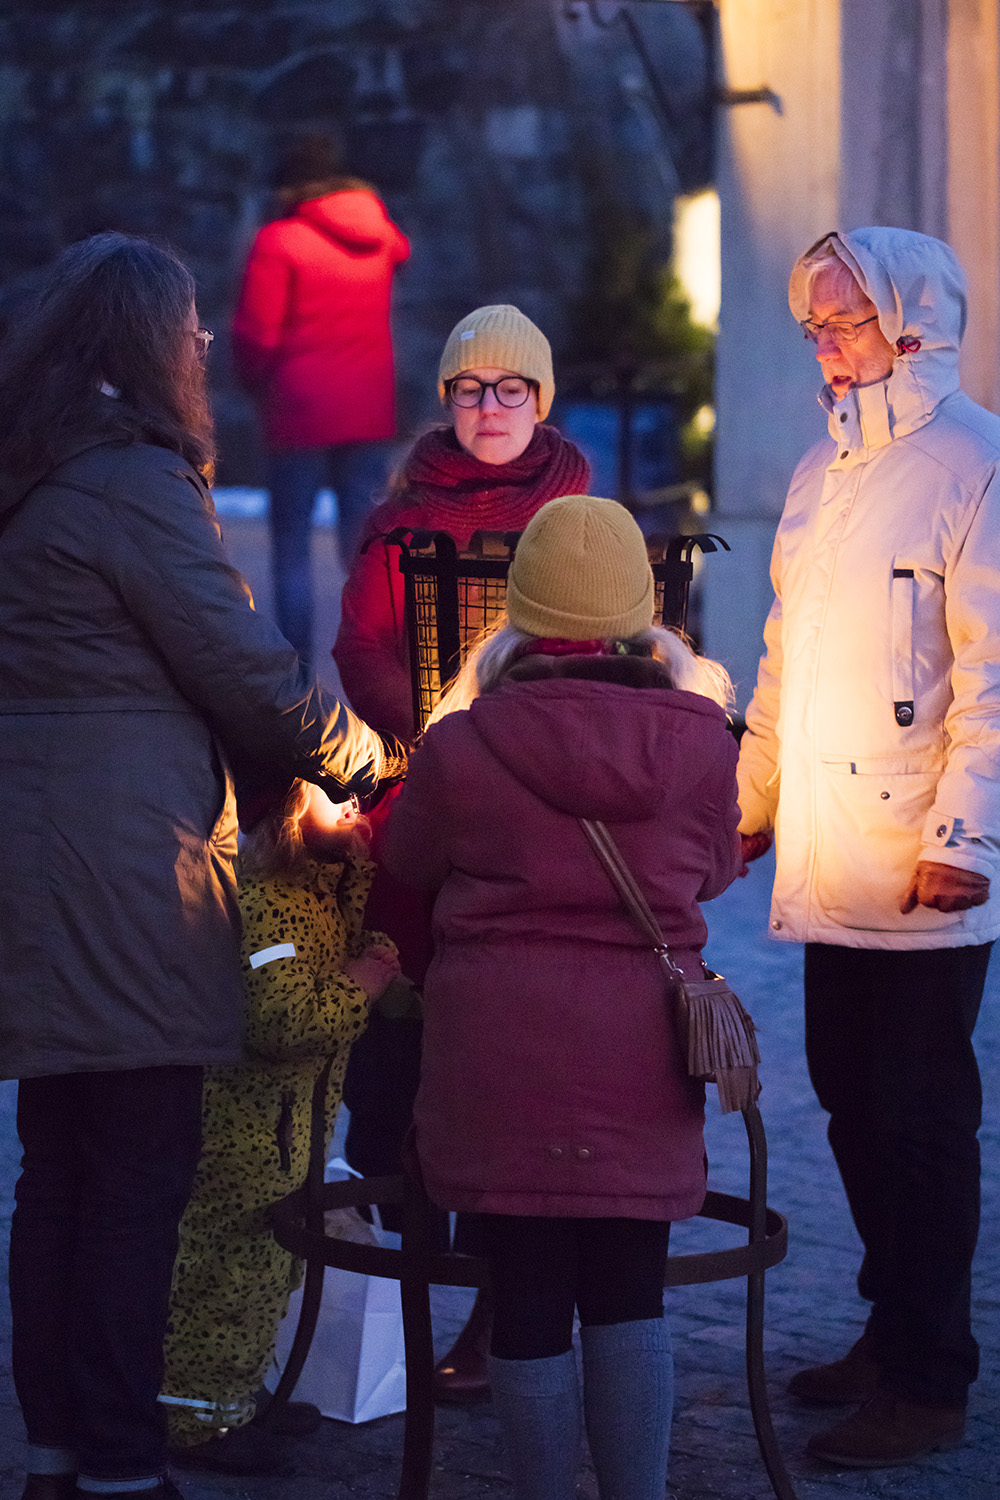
<point>491,431</point>
<point>837,298</point>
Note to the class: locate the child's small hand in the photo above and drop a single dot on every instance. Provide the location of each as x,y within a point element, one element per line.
<point>373,971</point>
<point>383,951</point>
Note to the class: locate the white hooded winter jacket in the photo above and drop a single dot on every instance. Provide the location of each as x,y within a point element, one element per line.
<point>877,708</point>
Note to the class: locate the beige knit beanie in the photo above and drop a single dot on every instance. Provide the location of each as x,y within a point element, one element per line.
<point>581,573</point>
<point>500,338</point>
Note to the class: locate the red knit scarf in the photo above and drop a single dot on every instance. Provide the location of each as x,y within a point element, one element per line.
<point>460,494</point>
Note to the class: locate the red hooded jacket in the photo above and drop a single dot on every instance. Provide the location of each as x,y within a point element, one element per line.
<point>311,337</point>
<point>551,1079</point>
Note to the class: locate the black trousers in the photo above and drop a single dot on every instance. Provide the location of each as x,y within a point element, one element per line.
<point>109,1159</point>
<point>610,1270</point>
<point>889,1046</point>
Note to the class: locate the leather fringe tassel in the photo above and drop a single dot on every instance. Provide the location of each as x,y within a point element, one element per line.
<point>719,1039</point>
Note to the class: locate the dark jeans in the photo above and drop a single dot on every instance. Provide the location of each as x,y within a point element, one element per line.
<point>610,1270</point>
<point>356,471</point>
<point>889,1045</point>
<point>109,1159</point>
<point>380,1086</point>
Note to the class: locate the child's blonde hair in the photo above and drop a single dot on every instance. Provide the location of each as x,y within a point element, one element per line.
<point>274,848</point>
<point>496,650</point>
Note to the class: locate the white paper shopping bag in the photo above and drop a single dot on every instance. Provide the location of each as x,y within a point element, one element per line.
<point>356,1366</point>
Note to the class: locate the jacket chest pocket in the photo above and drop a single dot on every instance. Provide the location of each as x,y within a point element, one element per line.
<point>920,653</point>
<point>902,607</point>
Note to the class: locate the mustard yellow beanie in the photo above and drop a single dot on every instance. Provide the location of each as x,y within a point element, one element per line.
<point>581,573</point>
<point>500,338</point>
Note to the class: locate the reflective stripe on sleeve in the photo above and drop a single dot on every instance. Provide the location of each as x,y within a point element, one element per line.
<point>268,955</point>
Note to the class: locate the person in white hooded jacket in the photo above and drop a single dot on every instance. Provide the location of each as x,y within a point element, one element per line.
<point>872,753</point>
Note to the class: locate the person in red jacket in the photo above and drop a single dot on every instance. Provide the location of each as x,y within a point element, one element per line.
<point>554,1101</point>
<point>489,468</point>
<point>312,345</point>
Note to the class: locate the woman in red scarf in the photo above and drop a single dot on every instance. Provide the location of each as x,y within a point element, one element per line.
<point>489,469</point>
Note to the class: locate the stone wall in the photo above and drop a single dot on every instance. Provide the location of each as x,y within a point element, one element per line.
<point>472,117</point>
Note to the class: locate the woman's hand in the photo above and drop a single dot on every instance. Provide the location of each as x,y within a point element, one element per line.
<point>374,970</point>
<point>945,888</point>
<point>754,845</point>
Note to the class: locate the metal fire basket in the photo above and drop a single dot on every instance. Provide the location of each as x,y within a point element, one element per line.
<point>453,597</point>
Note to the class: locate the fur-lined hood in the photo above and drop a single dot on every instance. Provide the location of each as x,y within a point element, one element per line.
<point>626,671</point>
<point>578,734</point>
<point>918,288</point>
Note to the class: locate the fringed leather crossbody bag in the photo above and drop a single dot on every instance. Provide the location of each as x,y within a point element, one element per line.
<point>716,1033</point>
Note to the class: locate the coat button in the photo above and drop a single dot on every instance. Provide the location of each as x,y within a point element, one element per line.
<point>843,416</point>
<point>884,796</point>
<point>942,830</point>
<point>776,925</point>
<point>555,1153</point>
<point>584,1153</point>
<point>844,454</point>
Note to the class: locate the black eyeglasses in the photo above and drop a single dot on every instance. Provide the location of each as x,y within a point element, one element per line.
<point>511,391</point>
<point>840,331</point>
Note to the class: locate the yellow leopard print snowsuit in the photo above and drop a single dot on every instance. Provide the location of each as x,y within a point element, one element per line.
<point>231,1279</point>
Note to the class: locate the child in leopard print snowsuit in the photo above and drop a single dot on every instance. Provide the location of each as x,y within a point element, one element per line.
<point>311,974</point>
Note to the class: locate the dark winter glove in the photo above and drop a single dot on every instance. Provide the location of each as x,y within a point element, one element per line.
<point>371,789</point>
<point>945,888</point>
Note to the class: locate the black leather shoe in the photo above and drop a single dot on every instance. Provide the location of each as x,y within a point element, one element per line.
<point>294,1419</point>
<point>49,1487</point>
<point>241,1451</point>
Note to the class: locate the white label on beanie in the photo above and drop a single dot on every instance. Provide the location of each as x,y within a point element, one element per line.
<point>268,955</point>
<point>469,333</point>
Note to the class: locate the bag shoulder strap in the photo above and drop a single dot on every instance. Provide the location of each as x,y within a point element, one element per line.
<point>624,882</point>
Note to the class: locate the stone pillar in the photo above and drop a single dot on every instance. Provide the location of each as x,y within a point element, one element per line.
<point>779,179</point>
<point>973,186</point>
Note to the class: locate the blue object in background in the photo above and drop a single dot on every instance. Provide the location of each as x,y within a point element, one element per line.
<point>593,425</point>
<point>251,504</point>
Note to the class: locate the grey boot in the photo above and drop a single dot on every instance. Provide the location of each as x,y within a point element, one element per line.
<point>538,1404</point>
<point>628,1400</point>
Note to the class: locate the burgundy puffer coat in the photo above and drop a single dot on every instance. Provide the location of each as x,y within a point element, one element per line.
<point>552,1083</point>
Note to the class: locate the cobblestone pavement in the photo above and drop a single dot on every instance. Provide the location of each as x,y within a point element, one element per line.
<point>813,1312</point>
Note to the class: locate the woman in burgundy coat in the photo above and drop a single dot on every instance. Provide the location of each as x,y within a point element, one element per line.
<point>554,1102</point>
